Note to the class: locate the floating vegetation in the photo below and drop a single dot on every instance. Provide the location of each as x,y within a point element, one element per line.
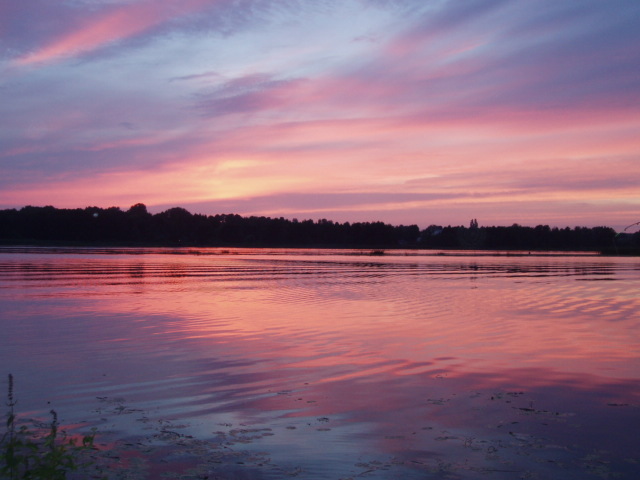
<point>164,448</point>
<point>39,452</point>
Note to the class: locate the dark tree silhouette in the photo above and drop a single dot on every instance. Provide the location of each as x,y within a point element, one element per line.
<point>177,226</point>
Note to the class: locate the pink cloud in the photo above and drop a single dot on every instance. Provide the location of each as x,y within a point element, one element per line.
<point>487,107</point>
<point>107,27</point>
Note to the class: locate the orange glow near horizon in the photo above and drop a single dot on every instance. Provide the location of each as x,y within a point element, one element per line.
<point>521,168</point>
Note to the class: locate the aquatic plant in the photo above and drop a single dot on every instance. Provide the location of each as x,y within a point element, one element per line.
<point>41,453</point>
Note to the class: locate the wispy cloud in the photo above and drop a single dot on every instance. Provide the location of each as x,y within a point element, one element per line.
<point>110,24</point>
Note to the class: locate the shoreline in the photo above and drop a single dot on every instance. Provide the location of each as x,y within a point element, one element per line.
<point>30,247</point>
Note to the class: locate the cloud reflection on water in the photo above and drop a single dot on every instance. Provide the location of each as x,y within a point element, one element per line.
<point>426,360</point>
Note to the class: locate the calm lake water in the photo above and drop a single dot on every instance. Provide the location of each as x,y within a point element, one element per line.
<point>330,364</point>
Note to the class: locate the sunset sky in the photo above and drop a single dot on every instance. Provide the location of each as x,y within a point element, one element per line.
<point>406,111</point>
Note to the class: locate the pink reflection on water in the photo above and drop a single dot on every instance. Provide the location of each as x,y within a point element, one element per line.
<point>320,319</point>
<point>411,358</point>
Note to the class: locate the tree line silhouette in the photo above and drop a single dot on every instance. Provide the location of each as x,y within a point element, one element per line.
<point>178,227</point>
